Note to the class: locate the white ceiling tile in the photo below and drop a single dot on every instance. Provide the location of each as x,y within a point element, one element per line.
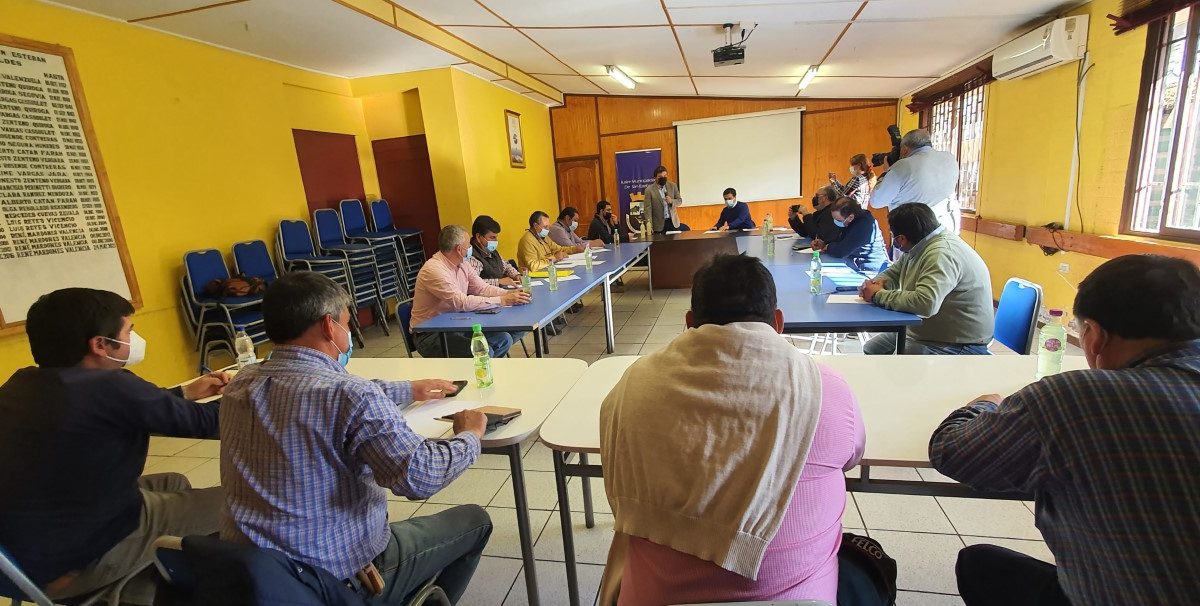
<point>513,86</point>
<point>314,34</point>
<point>543,99</point>
<point>637,50</point>
<point>134,9</point>
<point>451,12</point>
<point>942,9</point>
<point>567,13</point>
<point>648,86</point>
<point>475,70</point>
<point>777,50</point>
<point>747,87</point>
<point>571,84</point>
<point>884,88</point>
<point>510,46</point>
<point>773,14</point>
<point>929,48</point>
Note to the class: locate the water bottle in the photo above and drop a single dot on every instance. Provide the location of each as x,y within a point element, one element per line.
<point>244,346</point>
<point>814,270</point>
<point>526,283</point>
<point>483,358</point>
<point>767,225</point>
<point>587,257</point>
<point>552,277</point>
<point>1051,342</point>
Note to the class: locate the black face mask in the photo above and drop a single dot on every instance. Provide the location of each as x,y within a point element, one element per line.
<point>607,214</point>
<point>662,180</point>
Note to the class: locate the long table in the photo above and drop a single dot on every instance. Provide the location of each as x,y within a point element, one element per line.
<point>512,387</point>
<point>547,305</point>
<point>902,398</point>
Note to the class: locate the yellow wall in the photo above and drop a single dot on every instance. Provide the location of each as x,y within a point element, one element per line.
<point>198,146</point>
<point>1027,155</point>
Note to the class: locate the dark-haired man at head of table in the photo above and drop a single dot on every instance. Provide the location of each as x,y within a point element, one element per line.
<point>77,514</point>
<point>735,215</point>
<point>1110,454</point>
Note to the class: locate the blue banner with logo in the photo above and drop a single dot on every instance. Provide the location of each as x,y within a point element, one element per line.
<point>635,170</point>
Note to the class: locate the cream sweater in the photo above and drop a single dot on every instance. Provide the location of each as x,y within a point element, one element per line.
<point>703,442</point>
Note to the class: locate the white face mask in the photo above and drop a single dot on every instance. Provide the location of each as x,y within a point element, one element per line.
<point>574,225</point>
<point>137,350</point>
<point>731,203</point>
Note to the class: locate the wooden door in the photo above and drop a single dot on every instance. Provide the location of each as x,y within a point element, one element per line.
<point>328,167</point>
<point>406,182</point>
<point>579,186</point>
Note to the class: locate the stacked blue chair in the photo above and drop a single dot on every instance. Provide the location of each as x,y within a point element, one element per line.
<point>360,261</point>
<point>387,253</point>
<point>412,248</point>
<point>252,259</point>
<point>294,245</point>
<point>1017,315</point>
<point>227,314</point>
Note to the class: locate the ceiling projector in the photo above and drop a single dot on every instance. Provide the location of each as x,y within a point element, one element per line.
<point>732,53</point>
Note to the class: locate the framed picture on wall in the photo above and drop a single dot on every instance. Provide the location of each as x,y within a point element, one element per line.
<point>516,144</point>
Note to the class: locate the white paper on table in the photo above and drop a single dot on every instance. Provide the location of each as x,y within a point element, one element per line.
<point>713,231</point>
<point>536,283</point>
<point>781,229</point>
<point>568,278</point>
<point>671,233</point>
<point>752,229</point>
<point>837,270</point>
<point>853,299</point>
<point>423,417</point>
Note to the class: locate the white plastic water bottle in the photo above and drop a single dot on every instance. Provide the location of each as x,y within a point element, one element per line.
<point>244,346</point>
<point>814,272</point>
<point>1052,341</point>
<point>552,277</point>
<point>587,257</point>
<point>483,359</point>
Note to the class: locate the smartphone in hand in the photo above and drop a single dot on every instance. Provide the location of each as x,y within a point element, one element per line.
<point>460,385</point>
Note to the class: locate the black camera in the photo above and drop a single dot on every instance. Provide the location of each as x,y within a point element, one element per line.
<point>893,156</point>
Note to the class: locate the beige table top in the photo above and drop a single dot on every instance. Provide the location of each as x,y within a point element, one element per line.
<point>902,398</point>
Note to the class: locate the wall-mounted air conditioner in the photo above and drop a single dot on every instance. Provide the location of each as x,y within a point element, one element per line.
<point>1062,41</point>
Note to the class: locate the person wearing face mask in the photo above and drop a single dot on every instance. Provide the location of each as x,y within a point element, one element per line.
<point>604,226</point>
<point>860,242</point>
<point>941,279</point>
<point>77,513</point>
<point>735,215</point>
<point>819,224</point>
<point>862,180</point>
<point>562,232</point>
<point>923,175</point>
<point>309,453</point>
<point>484,260</point>
<point>447,284</point>
<point>662,202</point>
<point>1110,454</point>
<point>536,251</point>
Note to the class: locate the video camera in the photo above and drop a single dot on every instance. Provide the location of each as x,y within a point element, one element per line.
<point>892,156</point>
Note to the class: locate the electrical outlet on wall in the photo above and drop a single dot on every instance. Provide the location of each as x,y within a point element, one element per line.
<point>1064,268</point>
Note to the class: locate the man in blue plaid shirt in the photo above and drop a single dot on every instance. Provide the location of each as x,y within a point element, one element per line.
<point>1112,454</point>
<point>309,453</point>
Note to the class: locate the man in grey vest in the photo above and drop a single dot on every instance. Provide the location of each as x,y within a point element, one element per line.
<point>925,175</point>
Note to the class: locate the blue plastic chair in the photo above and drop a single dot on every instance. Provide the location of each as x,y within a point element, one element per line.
<point>381,220</point>
<point>252,259</point>
<point>393,281</point>
<point>404,314</point>
<point>1017,315</point>
<point>367,286</point>
<point>200,268</point>
<point>411,245</point>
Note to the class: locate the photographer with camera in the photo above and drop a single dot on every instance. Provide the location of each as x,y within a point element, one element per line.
<point>921,174</point>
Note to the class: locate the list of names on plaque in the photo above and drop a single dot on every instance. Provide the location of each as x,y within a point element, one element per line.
<point>50,200</point>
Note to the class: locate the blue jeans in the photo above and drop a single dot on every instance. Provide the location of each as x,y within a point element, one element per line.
<point>885,344</point>
<point>429,344</point>
<point>446,545</point>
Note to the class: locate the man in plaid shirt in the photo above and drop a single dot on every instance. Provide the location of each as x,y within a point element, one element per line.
<point>310,451</point>
<point>1112,454</point>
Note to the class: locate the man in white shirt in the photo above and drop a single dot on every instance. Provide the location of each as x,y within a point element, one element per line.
<point>924,175</point>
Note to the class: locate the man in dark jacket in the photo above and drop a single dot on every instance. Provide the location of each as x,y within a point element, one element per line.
<point>818,224</point>
<point>76,512</point>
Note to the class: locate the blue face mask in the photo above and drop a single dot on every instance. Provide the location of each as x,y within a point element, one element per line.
<point>839,223</point>
<point>574,225</point>
<point>344,356</point>
<point>492,244</point>
<point>544,233</point>
<point>470,253</point>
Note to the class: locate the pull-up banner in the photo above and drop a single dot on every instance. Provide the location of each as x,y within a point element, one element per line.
<point>635,170</point>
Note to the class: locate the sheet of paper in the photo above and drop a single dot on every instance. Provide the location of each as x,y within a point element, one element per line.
<point>568,278</point>
<point>780,229</point>
<point>713,231</point>
<point>671,233</point>
<point>749,230</point>
<point>838,270</point>
<point>852,299</point>
<point>422,417</point>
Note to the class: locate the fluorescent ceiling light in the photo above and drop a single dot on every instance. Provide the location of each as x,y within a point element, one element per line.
<point>615,73</point>
<point>808,77</point>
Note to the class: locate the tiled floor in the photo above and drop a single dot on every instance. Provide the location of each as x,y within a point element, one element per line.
<point>923,534</point>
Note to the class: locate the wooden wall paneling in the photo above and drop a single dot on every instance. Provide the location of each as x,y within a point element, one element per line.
<point>579,186</point>
<point>328,168</point>
<point>574,126</point>
<point>1107,247</point>
<point>995,229</point>
<point>406,182</point>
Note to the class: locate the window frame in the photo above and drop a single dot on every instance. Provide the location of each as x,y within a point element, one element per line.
<point>1153,63</point>
<point>926,122</point>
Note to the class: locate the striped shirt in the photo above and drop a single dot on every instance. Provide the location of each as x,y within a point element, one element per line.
<point>1113,459</point>
<point>858,187</point>
<point>307,451</point>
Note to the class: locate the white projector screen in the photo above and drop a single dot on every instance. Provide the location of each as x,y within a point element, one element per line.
<point>757,154</point>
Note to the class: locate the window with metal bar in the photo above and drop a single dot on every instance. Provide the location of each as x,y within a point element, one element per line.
<point>1163,196</point>
<point>956,126</point>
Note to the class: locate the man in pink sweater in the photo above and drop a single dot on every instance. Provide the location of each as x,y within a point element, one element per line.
<point>754,419</point>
